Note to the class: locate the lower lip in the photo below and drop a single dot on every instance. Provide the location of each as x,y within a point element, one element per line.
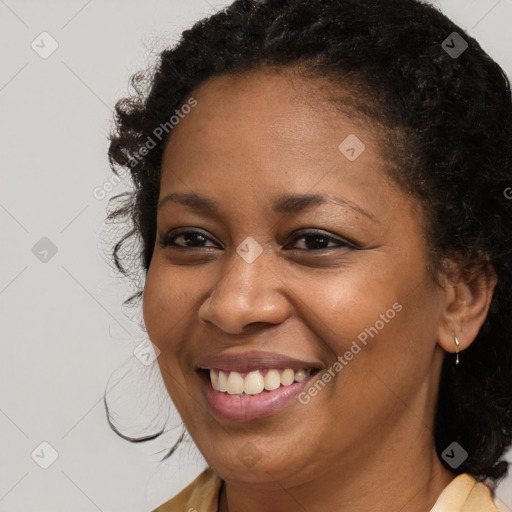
<point>250,407</point>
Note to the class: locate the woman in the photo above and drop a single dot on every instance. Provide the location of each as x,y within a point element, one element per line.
<point>320,192</point>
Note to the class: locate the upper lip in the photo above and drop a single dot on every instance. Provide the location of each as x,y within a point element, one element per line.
<point>254,360</point>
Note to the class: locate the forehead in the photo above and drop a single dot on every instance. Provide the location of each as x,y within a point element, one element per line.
<point>274,98</point>
<point>263,134</point>
<point>268,114</point>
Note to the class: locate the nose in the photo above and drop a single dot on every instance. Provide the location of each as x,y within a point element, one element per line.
<point>246,294</point>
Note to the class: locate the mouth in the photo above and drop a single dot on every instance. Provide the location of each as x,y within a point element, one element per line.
<point>243,396</point>
<point>246,386</point>
<point>255,382</point>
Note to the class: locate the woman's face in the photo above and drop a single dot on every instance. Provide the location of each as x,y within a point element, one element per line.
<point>271,280</point>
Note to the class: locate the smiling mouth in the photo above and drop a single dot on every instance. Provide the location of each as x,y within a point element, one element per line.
<point>255,382</point>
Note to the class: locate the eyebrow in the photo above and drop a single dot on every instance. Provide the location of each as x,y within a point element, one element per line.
<point>285,204</point>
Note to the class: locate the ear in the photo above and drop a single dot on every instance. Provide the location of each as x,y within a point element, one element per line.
<point>466,297</point>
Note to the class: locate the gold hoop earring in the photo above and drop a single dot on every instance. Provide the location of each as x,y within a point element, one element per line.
<point>457,342</point>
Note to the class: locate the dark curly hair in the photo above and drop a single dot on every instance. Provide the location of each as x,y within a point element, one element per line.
<point>446,123</point>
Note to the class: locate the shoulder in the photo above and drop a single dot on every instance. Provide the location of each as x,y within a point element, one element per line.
<point>465,494</point>
<point>202,494</point>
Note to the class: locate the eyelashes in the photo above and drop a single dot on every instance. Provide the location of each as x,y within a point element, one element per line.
<point>192,236</point>
<point>169,239</point>
<point>324,238</point>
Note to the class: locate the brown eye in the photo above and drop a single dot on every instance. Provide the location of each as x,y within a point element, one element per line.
<point>318,240</point>
<point>191,238</point>
<point>314,240</point>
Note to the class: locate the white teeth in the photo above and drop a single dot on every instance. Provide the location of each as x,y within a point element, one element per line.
<point>222,383</point>
<point>300,375</point>
<point>215,379</point>
<point>235,385</point>
<point>272,380</point>
<point>287,377</point>
<point>254,382</point>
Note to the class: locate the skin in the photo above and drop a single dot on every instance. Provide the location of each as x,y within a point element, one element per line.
<point>365,441</point>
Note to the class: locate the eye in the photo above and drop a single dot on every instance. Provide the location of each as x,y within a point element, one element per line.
<point>318,240</point>
<point>191,238</point>
<point>314,240</point>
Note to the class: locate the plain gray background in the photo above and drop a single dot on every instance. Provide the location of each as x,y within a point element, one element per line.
<point>65,336</point>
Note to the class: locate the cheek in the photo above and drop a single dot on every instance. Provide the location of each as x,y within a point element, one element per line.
<point>166,301</point>
<point>339,308</point>
<point>153,306</point>
<point>377,317</point>
<point>165,304</point>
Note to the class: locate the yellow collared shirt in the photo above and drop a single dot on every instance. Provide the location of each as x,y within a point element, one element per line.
<point>462,494</point>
